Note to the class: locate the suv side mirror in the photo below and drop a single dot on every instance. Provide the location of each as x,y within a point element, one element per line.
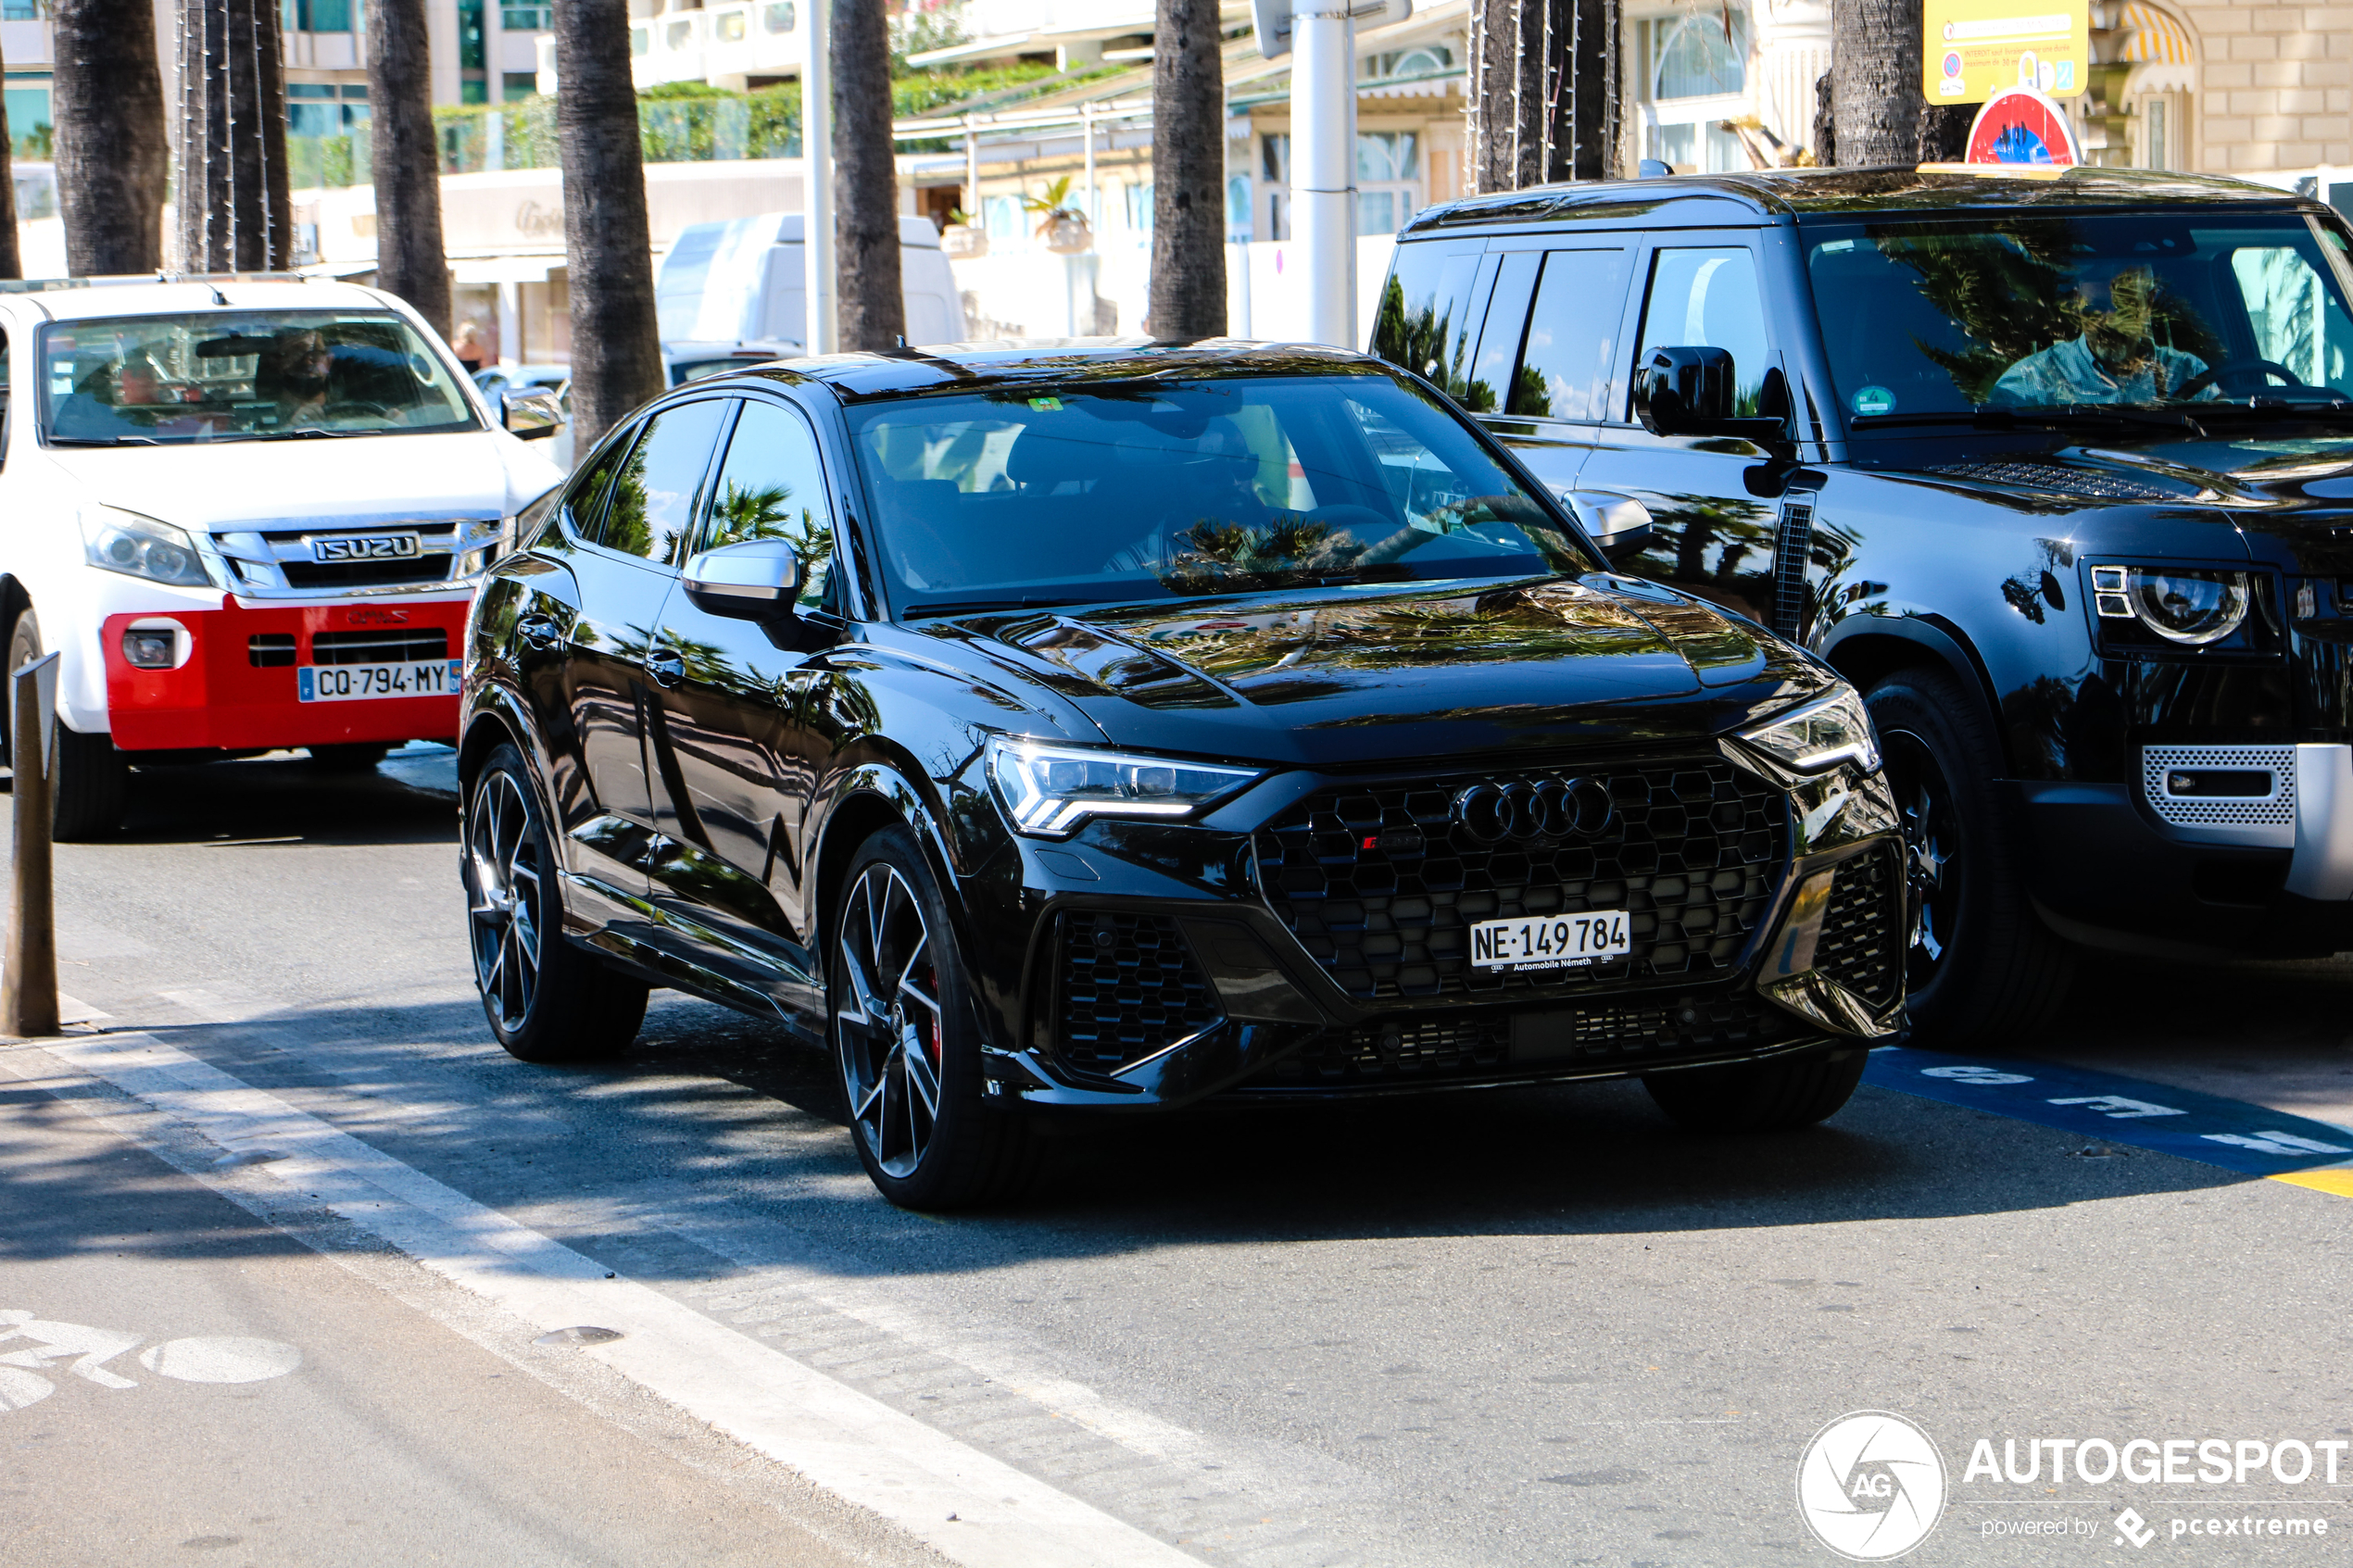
<point>758,580</point>
<point>530,413</point>
<point>1688,389</point>
<point>1620,524</point>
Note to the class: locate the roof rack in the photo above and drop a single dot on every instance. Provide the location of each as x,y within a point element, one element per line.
<point>120,279</point>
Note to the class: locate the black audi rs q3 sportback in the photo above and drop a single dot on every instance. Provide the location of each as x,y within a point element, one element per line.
<point>1114,726</point>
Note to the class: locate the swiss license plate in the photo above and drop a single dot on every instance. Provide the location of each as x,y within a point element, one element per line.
<point>358,683</point>
<point>1552,942</point>
<point>365,546</point>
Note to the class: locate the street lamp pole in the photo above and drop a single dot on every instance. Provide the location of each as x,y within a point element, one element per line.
<point>1324,164</point>
<point>823,329</point>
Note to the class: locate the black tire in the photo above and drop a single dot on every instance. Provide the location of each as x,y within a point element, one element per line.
<point>90,784</point>
<point>1982,969</point>
<point>902,1028</point>
<point>1772,1096</point>
<point>546,999</point>
<point>355,756</point>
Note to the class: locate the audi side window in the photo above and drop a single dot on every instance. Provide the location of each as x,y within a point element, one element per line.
<point>657,493</point>
<point>772,486</point>
<point>1708,298</point>
<point>1564,368</point>
<point>584,504</point>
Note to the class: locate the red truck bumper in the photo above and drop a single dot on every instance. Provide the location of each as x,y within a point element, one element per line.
<point>239,688</point>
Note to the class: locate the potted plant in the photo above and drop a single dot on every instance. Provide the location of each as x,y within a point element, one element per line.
<point>1063,227</point>
<point>963,239</point>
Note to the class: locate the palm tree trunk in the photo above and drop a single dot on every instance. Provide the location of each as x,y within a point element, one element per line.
<point>1189,172</point>
<point>1511,131</point>
<point>616,349</point>
<point>1875,82</point>
<point>234,213</point>
<point>873,310</point>
<point>406,158</point>
<point>12,263</point>
<point>114,159</point>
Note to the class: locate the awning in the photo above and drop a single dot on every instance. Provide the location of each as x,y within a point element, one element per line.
<point>2157,38</point>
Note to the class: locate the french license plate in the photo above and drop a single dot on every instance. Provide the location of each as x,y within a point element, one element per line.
<point>357,683</point>
<point>365,546</point>
<point>1554,942</point>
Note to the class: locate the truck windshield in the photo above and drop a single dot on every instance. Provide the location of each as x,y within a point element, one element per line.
<point>1114,493</point>
<point>2069,311</point>
<point>232,375</point>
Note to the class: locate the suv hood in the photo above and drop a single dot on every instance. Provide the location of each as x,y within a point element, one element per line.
<point>1351,675</point>
<point>317,480</point>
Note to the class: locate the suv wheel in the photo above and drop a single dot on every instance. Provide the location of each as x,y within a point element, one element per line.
<point>906,1041</point>
<point>1981,967</point>
<point>1759,1096</point>
<point>546,1000</point>
<point>89,780</point>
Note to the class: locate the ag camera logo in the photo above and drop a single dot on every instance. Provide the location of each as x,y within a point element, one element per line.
<point>1871,1486</point>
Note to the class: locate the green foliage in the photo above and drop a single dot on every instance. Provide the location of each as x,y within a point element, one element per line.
<point>1222,558</point>
<point>1426,342</point>
<point>922,26</point>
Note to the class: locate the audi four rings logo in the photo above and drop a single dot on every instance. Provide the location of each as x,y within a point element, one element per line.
<point>1555,808</point>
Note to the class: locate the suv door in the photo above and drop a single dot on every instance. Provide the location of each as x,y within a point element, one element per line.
<point>727,743</point>
<point>1711,536</point>
<point>624,556</point>
<point>1548,343</point>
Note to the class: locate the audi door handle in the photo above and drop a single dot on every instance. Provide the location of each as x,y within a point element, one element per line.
<point>667,668</point>
<point>539,630</point>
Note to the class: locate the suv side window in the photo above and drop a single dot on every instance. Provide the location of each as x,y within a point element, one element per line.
<point>2294,317</point>
<point>583,503</point>
<point>1706,297</point>
<point>772,486</point>
<point>1564,370</point>
<point>657,494</point>
<point>1430,313</point>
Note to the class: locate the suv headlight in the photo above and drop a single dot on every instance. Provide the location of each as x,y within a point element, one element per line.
<point>140,546</point>
<point>2193,608</point>
<point>1821,735</point>
<point>1053,791</point>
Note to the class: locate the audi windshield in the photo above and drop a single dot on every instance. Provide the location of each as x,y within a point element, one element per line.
<point>1144,490</point>
<point>232,375</point>
<point>2081,312</point>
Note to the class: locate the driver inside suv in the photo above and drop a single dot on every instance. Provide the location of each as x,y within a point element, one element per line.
<point>2114,359</point>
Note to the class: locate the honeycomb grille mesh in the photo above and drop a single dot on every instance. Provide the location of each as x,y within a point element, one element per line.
<point>1862,930</point>
<point>2275,809</point>
<point>1380,884</point>
<point>2058,479</point>
<point>1129,988</point>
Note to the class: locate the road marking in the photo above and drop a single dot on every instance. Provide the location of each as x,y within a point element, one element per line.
<point>970,1507</point>
<point>2251,1139</point>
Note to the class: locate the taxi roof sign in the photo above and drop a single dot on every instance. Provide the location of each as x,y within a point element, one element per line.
<point>2019,128</point>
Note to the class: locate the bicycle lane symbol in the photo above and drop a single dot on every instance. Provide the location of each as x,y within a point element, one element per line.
<point>33,1349</point>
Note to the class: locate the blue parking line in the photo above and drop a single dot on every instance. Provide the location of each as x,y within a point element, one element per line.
<point>2229,1132</point>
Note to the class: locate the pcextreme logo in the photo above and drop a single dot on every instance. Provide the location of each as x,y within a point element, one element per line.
<point>1870,1486</point>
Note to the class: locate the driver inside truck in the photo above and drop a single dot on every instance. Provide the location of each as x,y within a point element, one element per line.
<point>2114,359</point>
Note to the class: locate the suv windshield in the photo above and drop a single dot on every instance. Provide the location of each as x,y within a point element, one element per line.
<point>1147,490</point>
<point>2081,311</point>
<point>230,375</point>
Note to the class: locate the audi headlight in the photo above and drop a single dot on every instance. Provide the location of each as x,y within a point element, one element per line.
<point>1821,735</point>
<point>1053,791</point>
<point>140,546</point>
<point>2191,607</point>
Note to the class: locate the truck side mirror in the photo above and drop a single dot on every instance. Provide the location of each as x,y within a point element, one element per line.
<point>757,580</point>
<point>1678,391</point>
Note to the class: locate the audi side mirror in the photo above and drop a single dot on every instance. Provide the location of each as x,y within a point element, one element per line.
<point>530,413</point>
<point>1620,524</point>
<point>758,580</point>
<point>1692,390</point>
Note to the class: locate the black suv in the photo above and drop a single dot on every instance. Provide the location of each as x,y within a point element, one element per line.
<point>2058,467</point>
<point>1114,727</point>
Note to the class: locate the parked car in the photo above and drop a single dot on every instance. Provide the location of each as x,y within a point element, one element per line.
<point>247,515</point>
<point>1111,728</point>
<point>496,379</point>
<point>739,284</point>
<point>2059,469</point>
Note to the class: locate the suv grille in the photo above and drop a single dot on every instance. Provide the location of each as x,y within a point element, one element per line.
<point>1599,1035</point>
<point>1862,941</point>
<point>267,650</point>
<point>1380,883</point>
<point>364,573</point>
<point>1129,988</point>
<point>380,648</point>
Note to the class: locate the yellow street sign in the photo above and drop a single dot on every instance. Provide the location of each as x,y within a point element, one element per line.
<point>1970,49</point>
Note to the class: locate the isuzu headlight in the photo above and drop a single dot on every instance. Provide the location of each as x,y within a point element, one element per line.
<point>1821,735</point>
<point>1053,791</point>
<point>140,546</point>
<point>2191,607</point>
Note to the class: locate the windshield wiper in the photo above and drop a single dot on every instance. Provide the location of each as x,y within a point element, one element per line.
<point>2074,417</point>
<point>103,441</point>
<point>976,606</point>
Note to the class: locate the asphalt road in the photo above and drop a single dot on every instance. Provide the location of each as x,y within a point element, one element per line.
<point>1535,1327</point>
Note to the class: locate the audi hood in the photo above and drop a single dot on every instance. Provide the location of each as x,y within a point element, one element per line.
<point>1394,671</point>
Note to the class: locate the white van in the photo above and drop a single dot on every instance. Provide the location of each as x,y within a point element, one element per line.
<point>739,285</point>
<point>248,513</point>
